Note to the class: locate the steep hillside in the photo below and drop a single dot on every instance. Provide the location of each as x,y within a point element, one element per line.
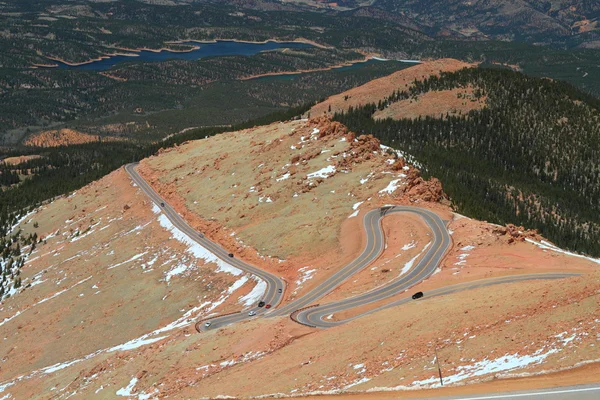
<point>297,181</point>
<point>112,291</point>
<point>381,88</point>
<point>64,137</point>
<point>519,149</point>
<point>107,275</point>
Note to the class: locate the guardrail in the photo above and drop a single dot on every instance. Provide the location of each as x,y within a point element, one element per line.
<point>293,315</point>
<point>198,324</point>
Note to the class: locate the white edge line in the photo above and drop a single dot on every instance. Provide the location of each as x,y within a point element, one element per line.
<point>505,396</point>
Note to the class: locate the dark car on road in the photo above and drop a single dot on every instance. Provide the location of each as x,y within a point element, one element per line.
<point>261,303</point>
<point>231,255</point>
<point>162,204</point>
<point>417,295</point>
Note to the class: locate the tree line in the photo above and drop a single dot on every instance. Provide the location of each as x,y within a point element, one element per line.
<point>531,156</point>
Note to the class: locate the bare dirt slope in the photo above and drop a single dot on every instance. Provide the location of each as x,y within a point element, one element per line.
<point>113,313</point>
<point>381,88</point>
<point>280,194</point>
<point>109,274</point>
<point>436,104</point>
<point>64,137</point>
<point>478,335</point>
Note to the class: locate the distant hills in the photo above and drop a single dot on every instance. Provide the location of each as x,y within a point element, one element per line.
<point>566,23</point>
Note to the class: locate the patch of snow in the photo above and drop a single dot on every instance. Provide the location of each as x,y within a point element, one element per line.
<point>126,391</point>
<point>358,382</point>
<point>408,266</point>
<point>409,246</point>
<point>137,256</point>
<point>566,340</point>
<point>306,275</point>
<point>255,294</point>
<point>178,270</point>
<point>507,362</point>
<point>19,220</point>
<point>322,173</point>
<point>6,385</point>
<point>135,343</point>
<point>196,249</point>
<point>549,246</point>
<point>59,366</point>
<point>391,187</point>
<point>283,177</point>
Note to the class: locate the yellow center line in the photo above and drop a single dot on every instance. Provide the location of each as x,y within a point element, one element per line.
<point>384,293</point>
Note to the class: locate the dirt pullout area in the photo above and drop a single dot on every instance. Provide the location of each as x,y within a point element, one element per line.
<point>64,137</point>
<point>109,275</point>
<point>277,195</point>
<point>436,104</point>
<point>378,89</point>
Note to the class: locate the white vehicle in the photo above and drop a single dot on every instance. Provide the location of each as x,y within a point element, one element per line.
<point>207,324</point>
<point>252,313</point>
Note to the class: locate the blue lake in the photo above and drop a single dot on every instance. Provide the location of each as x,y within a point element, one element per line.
<point>219,48</point>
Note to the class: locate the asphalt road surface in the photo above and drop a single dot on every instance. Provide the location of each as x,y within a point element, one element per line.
<point>315,316</point>
<point>579,392</point>
<point>375,244</point>
<point>275,285</point>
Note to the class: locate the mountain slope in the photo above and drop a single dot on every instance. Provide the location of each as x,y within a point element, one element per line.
<point>530,155</point>
<point>114,312</point>
<point>564,23</point>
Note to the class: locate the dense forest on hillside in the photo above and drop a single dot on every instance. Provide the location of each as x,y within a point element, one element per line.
<point>531,157</point>
<point>160,98</point>
<point>169,96</point>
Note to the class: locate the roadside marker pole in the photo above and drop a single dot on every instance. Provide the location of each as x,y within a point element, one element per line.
<point>438,365</point>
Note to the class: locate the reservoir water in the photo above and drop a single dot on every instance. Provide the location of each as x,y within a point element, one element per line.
<point>219,48</point>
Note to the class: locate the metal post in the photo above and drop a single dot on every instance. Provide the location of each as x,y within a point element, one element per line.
<point>438,365</point>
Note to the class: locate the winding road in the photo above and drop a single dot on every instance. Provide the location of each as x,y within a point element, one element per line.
<point>316,315</point>
<point>374,247</point>
<point>275,285</point>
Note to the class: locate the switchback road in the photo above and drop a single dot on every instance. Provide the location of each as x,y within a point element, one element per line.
<point>317,315</point>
